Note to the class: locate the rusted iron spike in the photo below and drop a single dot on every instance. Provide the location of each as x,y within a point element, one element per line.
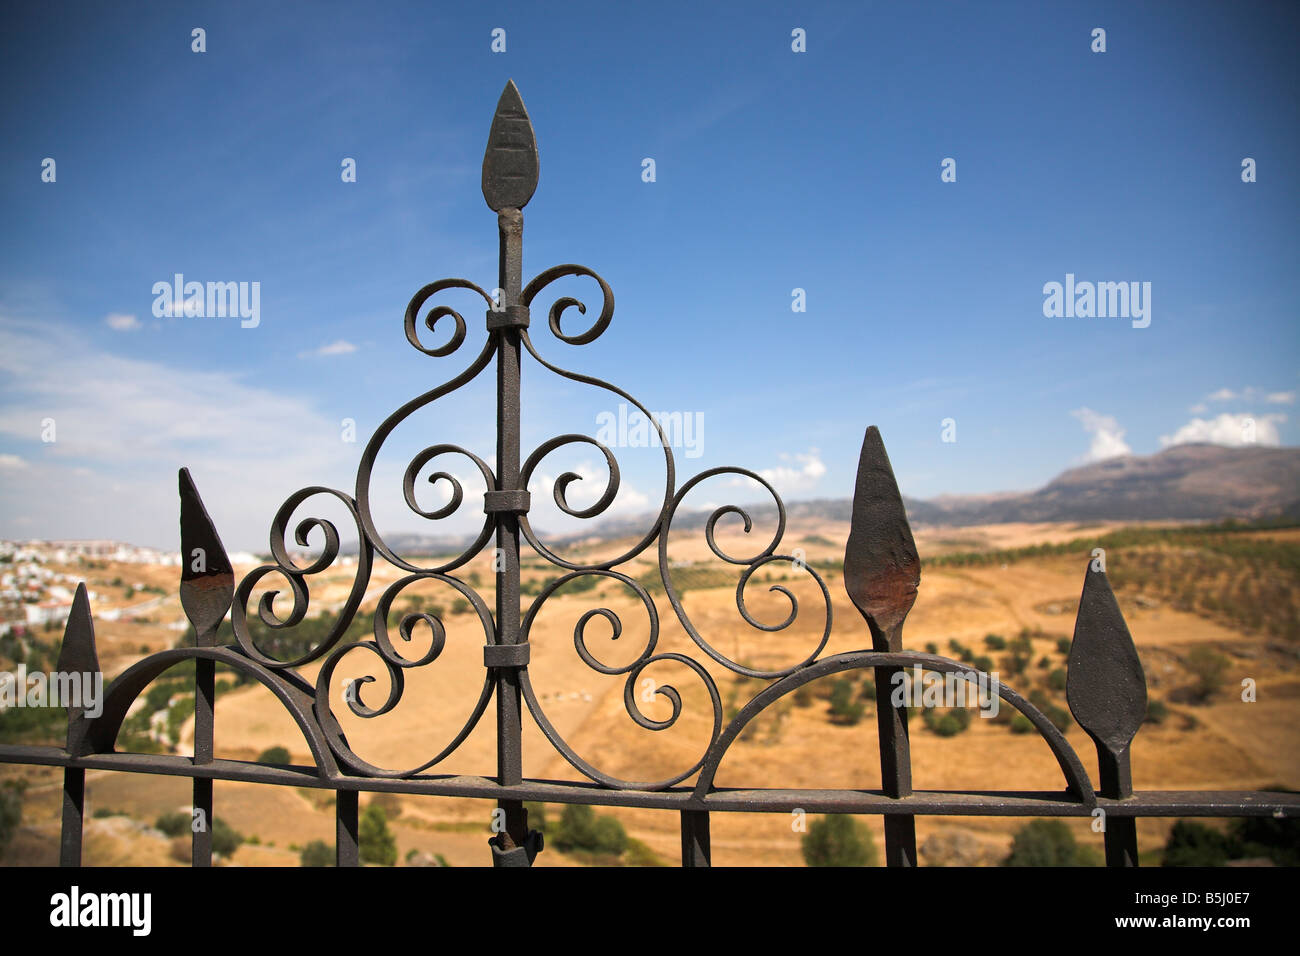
<point>78,656</point>
<point>881,566</point>
<point>510,172</point>
<point>1107,693</point>
<point>881,572</point>
<point>207,579</point>
<point>510,165</point>
<point>207,588</point>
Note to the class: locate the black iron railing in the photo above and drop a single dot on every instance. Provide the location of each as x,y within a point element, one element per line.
<point>1106,688</point>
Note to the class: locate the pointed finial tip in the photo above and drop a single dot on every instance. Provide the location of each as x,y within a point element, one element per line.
<point>78,651</point>
<point>510,165</point>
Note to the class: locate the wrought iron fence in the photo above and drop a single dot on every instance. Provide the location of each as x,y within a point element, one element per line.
<point>1106,687</point>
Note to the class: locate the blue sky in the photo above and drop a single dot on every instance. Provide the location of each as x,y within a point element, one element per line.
<point>775,171</point>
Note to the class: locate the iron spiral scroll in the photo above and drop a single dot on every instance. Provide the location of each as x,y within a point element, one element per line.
<point>509,179</point>
<point>386,650</point>
<point>1106,687</point>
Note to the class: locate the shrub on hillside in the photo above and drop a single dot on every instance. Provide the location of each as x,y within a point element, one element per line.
<point>317,853</point>
<point>1208,667</point>
<point>838,840</point>
<point>11,815</point>
<point>1192,843</point>
<point>580,828</point>
<point>1157,712</point>
<point>1049,843</point>
<point>1195,844</point>
<point>377,843</point>
<point>277,755</point>
<point>844,708</point>
<point>225,839</point>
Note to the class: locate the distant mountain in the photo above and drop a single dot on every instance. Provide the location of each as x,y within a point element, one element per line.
<point>1182,483</point>
<point>1185,482</point>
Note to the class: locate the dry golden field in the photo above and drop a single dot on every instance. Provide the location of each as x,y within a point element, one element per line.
<point>1222,743</point>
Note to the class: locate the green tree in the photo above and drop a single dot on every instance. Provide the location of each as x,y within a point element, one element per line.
<point>577,828</point>
<point>11,814</point>
<point>378,845</point>
<point>174,824</point>
<point>946,722</point>
<point>844,708</point>
<point>390,803</point>
<point>318,853</point>
<point>838,840</point>
<point>1208,666</point>
<point>580,828</point>
<point>225,838</point>
<point>1048,843</point>
<point>1157,712</point>
<point>610,836</point>
<point>1195,844</point>
<point>278,755</point>
<point>1279,840</point>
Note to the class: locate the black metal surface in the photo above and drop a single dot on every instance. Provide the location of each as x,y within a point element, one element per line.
<point>207,588</point>
<point>882,571</point>
<point>347,843</point>
<point>696,850</point>
<point>1106,688</point>
<point>996,803</point>
<point>1107,693</point>
<point>78,655</point>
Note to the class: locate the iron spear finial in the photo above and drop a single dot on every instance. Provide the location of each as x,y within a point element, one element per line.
<point>881,566</point>
<point>77,655</point>
<point>1106,687</point>
<point>207,579</point>
<point>510,165</point>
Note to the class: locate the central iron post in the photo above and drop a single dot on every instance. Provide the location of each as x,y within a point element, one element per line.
<point>510,172</point>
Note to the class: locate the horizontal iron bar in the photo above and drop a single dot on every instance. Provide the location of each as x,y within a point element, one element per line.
<point>1026,803</point>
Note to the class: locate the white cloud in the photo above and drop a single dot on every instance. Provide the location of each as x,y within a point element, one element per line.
<point>1199,408</point>
<point>1107,435</point>
<point>1228,429</point>
<point>1249,394</point>
<point>124,427</point>
<point>12,462</point>
<point>339,347</point>
<point>803,474</point>
<point>120,322</point>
